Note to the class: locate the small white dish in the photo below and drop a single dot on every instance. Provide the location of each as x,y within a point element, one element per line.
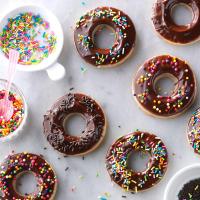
<point>182,177</point>
<point>54,69</point>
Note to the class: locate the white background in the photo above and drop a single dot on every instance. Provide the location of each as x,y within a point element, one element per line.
<point>112,89</point>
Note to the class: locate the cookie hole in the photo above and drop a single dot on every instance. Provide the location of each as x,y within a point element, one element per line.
<point>74,125</point>
<point>182,14</point>
<point>26,184</point>
<point>138,161</point>
<point>164,85</point>
<point>104,36</point>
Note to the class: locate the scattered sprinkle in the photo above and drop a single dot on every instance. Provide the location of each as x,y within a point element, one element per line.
<point>107,194</point>
<point>73,188</point>
<point>102,198</point>
<point>67,168</point>
<point>81,177</point>
<point>97,174</point>
<point>83,69</point>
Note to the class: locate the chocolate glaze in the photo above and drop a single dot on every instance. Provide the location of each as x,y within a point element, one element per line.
<point>117,159</point>
<point>165,26</point>
<point>125,36</point>
<point>193,131</point>
<point>183,94</point>
<point>16,164</point>
<point>69,104</point>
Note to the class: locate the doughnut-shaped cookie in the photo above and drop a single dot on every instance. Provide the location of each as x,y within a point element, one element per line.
<point>165,26</point>
<point>117,159</point>
<point>61,110</point>
<point>17,164</point>
<point>124,41</point>
<point>182,96</point>
<point>193,131</point>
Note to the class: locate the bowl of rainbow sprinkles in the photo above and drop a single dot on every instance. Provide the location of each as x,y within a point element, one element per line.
<point>10,128</point>
<point>36,33</point>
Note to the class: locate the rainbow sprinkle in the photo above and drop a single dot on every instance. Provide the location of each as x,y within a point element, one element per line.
<point>30,35</point>
<point>8,127</point>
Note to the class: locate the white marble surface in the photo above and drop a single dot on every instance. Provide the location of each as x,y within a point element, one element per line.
<point>112,89</point>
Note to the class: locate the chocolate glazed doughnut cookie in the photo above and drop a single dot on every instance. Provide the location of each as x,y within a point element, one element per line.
<point>156,68</point>
<point>117,161</point>
<point>193,131</point>
<point>165,26</point>
<point>65,106</point>
<point>115,19</point>
<point>17,164</point>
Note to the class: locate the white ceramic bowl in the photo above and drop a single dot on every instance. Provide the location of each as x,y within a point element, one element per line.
<point>55,70</point>
<point>17,91</point>
<point>182,177</point>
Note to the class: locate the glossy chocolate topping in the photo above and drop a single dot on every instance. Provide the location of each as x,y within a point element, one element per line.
<point>194,131</point>
<point>184,89</point>
<point>117,159</point>
<point>123,28</point>
<point>165,26</point>
<point>54,124</point>
<point>17,164</point>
